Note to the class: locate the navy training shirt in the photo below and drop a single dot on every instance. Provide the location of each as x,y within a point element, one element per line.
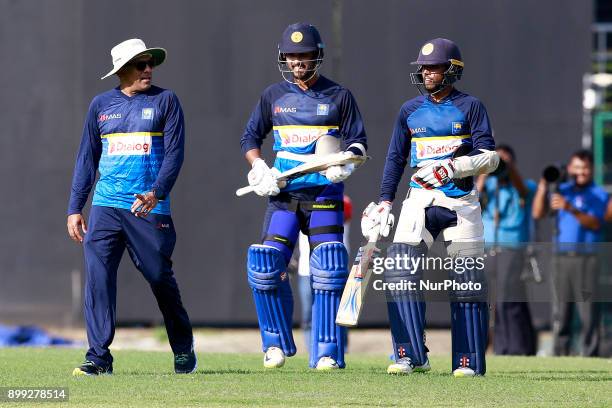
<point>426,130</point>
<point>136,143</point>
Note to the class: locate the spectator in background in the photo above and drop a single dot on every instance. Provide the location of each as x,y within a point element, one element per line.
<point>304,270</point>
<point>581,208</point>
<point>506,202</point>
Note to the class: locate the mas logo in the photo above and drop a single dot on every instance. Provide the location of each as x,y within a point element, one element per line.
<point>281,109</point>
<point>105,117</point>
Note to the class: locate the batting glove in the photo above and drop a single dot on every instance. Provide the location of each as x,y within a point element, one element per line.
<point>336,174</point>
<point>263,179</point>
<point>377,217</point>
<point>435,175</point>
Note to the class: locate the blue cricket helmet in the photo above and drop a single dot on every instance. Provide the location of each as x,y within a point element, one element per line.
<point>439,51</point>
<point>435,52</point>
<point>300,38</point>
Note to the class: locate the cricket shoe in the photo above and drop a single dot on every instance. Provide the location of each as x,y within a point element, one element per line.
<point>185,363</point>
<point>91,368</point>
<point>327,364</point>
<point>464,372</point>
<point>274,358</point>
<point>406,366</point>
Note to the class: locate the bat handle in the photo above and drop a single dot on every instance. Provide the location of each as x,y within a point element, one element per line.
<point>244,190</point>
<point>373,237</point>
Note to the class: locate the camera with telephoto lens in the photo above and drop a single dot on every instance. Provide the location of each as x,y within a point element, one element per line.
<point>554,174</point>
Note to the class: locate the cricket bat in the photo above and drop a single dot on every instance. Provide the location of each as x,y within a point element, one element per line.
<point>357,283</point>
<point>314,166</point>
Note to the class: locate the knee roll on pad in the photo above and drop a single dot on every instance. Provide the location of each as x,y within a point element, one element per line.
<point>265,267</point>
<point>329,268</point>
<point>404,269</point>
<point>472,284</point>
<point>406,308</point>
<point>272,295</point>
<point>469,329</point>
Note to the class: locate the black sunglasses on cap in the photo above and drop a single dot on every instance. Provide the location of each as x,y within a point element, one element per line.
<point>141,65</point>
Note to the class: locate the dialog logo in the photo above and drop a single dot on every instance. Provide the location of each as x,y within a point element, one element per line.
<point>436,148</point>
<point>129,145</point>
<point>298,136</point>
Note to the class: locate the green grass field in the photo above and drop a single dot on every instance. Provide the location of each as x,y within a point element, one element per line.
<point>145,379</point>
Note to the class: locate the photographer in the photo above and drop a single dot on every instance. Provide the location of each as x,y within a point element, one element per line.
<point>506,201</point>
<point>580,208</point>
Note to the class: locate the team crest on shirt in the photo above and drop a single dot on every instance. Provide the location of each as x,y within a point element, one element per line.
<point>457,128</point>
<point>578,202</point>
<point>147,113</point>
<point>322,109</point>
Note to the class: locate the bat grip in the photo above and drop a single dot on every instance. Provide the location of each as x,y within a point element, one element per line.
<point>244,190</point>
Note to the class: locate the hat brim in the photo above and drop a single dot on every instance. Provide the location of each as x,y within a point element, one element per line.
<point>159,56</point>
<point>436,62</point>
<point>296,49</point>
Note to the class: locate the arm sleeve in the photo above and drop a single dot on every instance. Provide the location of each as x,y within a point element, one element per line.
<point>397,156</point>
<point>482,136</point>
<point>351,126</point>
<point>174,148</point>
<point>88,158</point>
<point>258,126</point>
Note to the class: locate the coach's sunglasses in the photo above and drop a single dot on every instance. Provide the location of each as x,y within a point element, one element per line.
<point>141,65</point>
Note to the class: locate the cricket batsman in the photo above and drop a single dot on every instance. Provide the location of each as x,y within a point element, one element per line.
<point>134,136</point>
<point>304,112</point>
<point>441,200</point>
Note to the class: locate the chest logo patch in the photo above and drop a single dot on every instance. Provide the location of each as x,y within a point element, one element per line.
<point>322,109</point>
<point>436,149</point>
<point>299,136</point>
<point>281,109</point>
<point>457,128</point>
<point>147,113</point>
<point>579,202</point>
<point>129,145</point>
<point>105,117</point>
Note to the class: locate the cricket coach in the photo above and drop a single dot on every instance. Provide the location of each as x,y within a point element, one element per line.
<point>134,135</point>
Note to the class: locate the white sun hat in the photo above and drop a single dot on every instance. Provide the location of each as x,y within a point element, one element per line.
<point>124,52</point>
